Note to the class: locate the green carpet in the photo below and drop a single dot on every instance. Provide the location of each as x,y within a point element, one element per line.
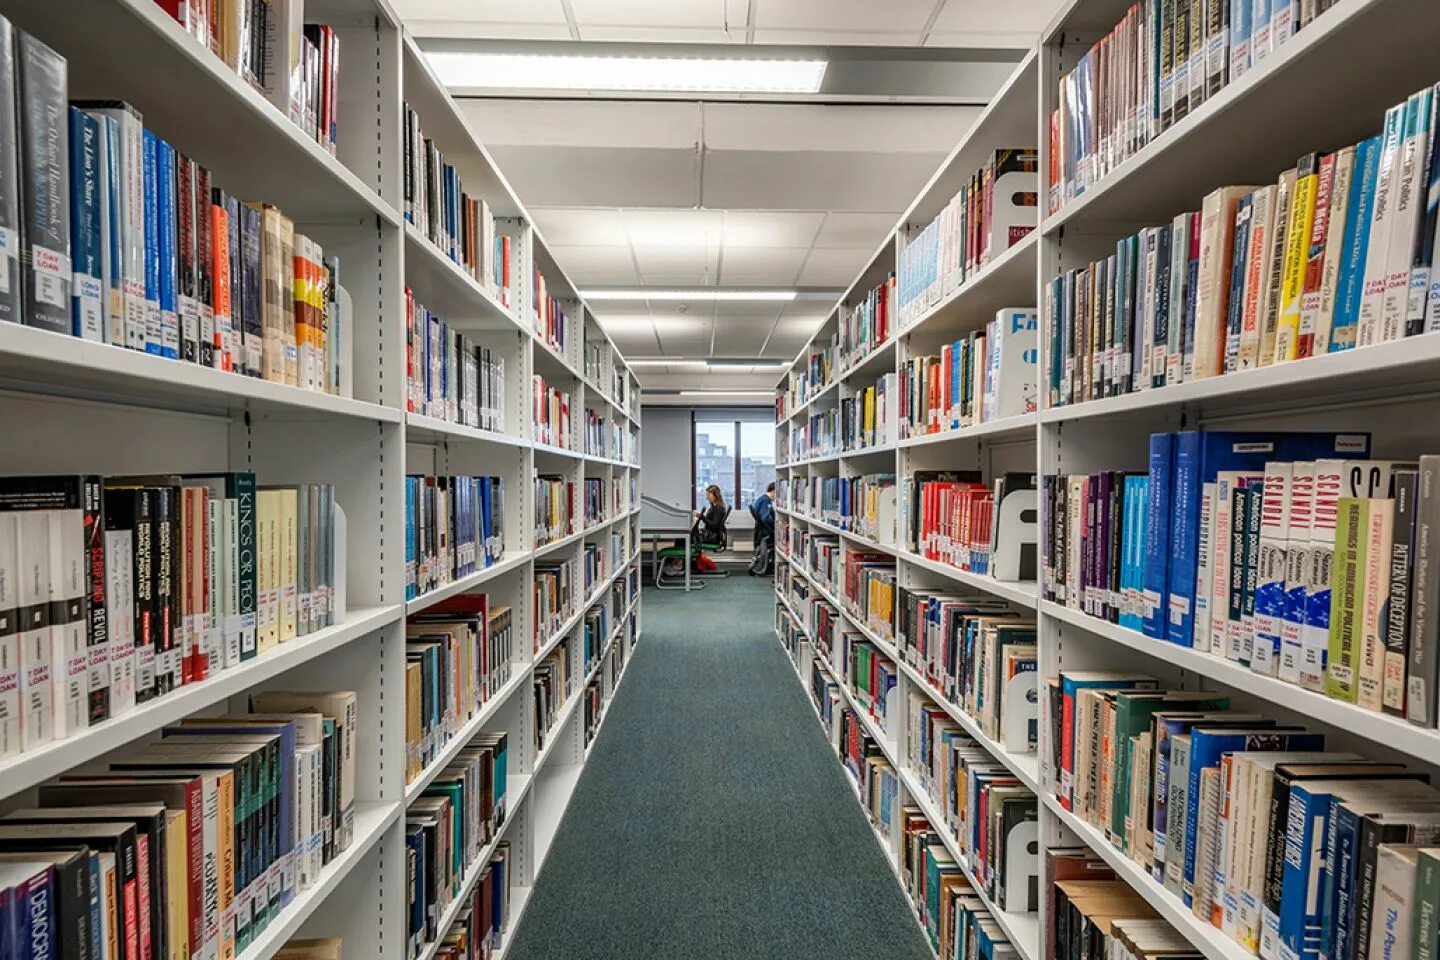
<point>713,820</point>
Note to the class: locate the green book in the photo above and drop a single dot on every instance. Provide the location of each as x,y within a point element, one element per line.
<point>1133,710</point>
<point>1347,598</point>
<point>1427,906</point>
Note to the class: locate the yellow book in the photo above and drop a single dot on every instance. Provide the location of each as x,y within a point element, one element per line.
<point>412,721</point>
<point>267,572</point>
<point>110,919</point>
<point>287,301</point>
<point>177,909</point>
<point>225,797</point>
<point>1297,252</point>
<point>288,545</point>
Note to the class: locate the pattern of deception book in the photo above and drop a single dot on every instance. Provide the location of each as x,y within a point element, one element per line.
<point>44,184</point>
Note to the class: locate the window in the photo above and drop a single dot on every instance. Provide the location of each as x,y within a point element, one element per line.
<point>738,456</point>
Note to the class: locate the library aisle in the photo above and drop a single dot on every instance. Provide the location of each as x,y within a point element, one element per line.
<point>712,820</point>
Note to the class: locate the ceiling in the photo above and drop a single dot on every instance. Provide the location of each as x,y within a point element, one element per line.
<point>633,191</point>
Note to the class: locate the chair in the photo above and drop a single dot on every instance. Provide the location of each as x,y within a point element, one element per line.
<point>677,582</point>
<point>764,559</point>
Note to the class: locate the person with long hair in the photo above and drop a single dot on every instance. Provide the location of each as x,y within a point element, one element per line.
<point>709,529</point>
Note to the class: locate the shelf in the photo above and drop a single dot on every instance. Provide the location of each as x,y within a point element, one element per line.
<point>423,429</point>
<point>38,361</point>
<point>372,820</point>
<point>554,451</point>
<point>1386,370</point>
<point>594,597</point>
<point>1020,592</point>
<point>445,288</point>
<point>1294,102</point>
<point>872,362</point>
<point>517,786</point>
<point>1206,938</point>
<point>1006,281</point>
<point>519,674</point>
<point>189,97</point>
<point>1017,428</point>
<point>36,766</point>
<point>1422,743</point>
<point>865,542</point>
<point>465,584</point>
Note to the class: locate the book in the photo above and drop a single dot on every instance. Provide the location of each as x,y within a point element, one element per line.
<point>44,184</point>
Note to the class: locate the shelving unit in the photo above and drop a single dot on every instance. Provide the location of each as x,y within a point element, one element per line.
<point>1294,102</point>
<point>80,407</point>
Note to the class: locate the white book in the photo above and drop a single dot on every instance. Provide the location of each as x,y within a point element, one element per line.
<point>284,78</point>
<point>1297,553</point>
<point>68,621</point>
<point>120,617</point>
<point>1377,263</point>
<point>1145,302</point>
<point>1334,243</point>
<point>10,736</point>
<point>1315,634</point>
<point>1392,919</point>
<point>1262,222</point>
<point>1270,569</point>
<point>1282,22</point>
<point>232,629</point>
<point>1205,567</point>
<point>1408,191</point>
<point>1378,538</point>
<point>1179,289</point>
<point>36,698</point>
<point>214,612</point>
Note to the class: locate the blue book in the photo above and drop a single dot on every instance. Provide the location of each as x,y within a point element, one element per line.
<point>1158,511</point>
<point>87,251</point>
<point>1239,37</point>
<point>1137,504</point>
<point>1350,285</point>
<point>169,250</point>
<point>112,219</point>
<point>410,505</point>
<point>1207,745</point>
<point>153,336</point>
<point>1199,456</point>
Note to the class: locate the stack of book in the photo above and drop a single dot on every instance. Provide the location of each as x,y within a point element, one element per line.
<point>458,655</point>
<point>986,808</point>
<point>124,240</point>
<point>551,414</point>
<point>866,324</point>
<point>1152,70</point>
<point>1337,253</point>
<point>479,927</point>
<point>447,375</point>
<point>868,591</point>
<point>818,436</point>
<point>192,844</point>
<point>1089,909</point>
<point>984,376</point>
<point>551,688</point>
<point>819,371</point>
<point>1283,553</point>
<point>863,505</point>
<point>551,324</point>
<point>454,527</point>
<point>596,437</point>
<point>867,419</point>
<point>557,595</point>
<point>953,518</point>
<point>448,827</point>
<point>595,564</point>
<point>955,919</point>
<point>995,210</point>
<point>462,227</point>
<point>123,589</point>
<point>977,654</point>
<point>555,508</point>
<point>592,494</point>
<point>871,676</point>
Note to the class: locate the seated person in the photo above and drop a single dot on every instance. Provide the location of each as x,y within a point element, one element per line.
<point>763,510</point>
<point>709,529</point>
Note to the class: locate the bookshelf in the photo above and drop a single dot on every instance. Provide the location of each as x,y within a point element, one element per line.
<point>1255,126</point>
<point>80,407</point>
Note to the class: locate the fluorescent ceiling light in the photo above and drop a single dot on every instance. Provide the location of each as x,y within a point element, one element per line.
<point>527,71</point>
<point>706,294</point>
<point>728,393</point>
<point>667,363</point>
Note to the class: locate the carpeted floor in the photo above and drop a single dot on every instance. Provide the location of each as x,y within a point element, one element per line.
<point>712,822</point>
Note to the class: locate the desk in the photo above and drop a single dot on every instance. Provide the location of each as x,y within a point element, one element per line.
<point>676,531</point>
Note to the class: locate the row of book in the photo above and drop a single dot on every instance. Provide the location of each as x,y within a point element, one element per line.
<point>1286,847</point>
<point>551,324</point>
<point>592,500</point>
<point>977,654</point>
<point>871,677</point>
<point>998,206</point>
<point>454,526</point>
<point>595,564</point>
<point>557,595</point>
<point>867,419</point>
<point>451,831</point>
<point>988,811</point>
<point>984,376</point>
<point>821,368</point>
<point>462,227</point>
<point>122,589</point>
<point>602,687</point>
<point>867,323</point>
<point>868,591</point>
<point>1091,913</point>
<point>818,436</point>
<point>295,64</point>
<point>1284,553</point>
<point>551,414</point>
<point>550,689</point>
<point>1161,61</point>
<point>479,927</point>
<point>863,505</point>
<point>459,654</point>
<point>122,239</point>
<point>447,375</point>
<point>555,507</point>
<point>1337,253</point>
<point>953,517</point>
<point>191,845</point>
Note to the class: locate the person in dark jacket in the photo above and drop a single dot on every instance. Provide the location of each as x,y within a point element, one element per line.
<point>763,510</point>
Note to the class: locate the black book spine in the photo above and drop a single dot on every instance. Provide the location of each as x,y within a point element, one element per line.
<point>185,255</point>
<point>98,632</point>
<point>11,300</point>
<point>130,508</point>
<point>1396,618</point>
<point>166,572</point>
<point>1372,835</point>
<point>44,185</point>
<point>72,901</point>
<point>204,259</point>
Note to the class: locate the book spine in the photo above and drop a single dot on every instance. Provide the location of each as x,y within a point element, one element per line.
<point>168,247</point>
<point>1396,614</point>
<point>44,185</point>
<point>11,287</point>
<point>1347,600</point>
<point>1269,596</point>
<point>1421,671</point>
<point>88,293</point>
<point>1356,244</point>
<point>1369,328</point>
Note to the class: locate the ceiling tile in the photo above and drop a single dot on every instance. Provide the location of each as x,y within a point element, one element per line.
<point>749,309</point>
<point>809,311</point>
<point>783,127</point>
<point>677,343</point>
<point>981,17</point>
<point>762,266</point>
<point>596,265</point>
<point>814,180</point>
<point>642,33</point>
<point>862,230</point>
<point>831,268</point>
<point>844,15</point>
<point>583,123</point>
<point>653,13</point>
<point>689,228</point>
<point>570,227</point>
<point>599,176</point>
<point>840,38</point>
<point>484,11</point>
<point>764,228</point>
<point>674,265</point>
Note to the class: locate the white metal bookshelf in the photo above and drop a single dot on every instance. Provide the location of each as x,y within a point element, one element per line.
<point>78,407</point>
<point>1294,102</point>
